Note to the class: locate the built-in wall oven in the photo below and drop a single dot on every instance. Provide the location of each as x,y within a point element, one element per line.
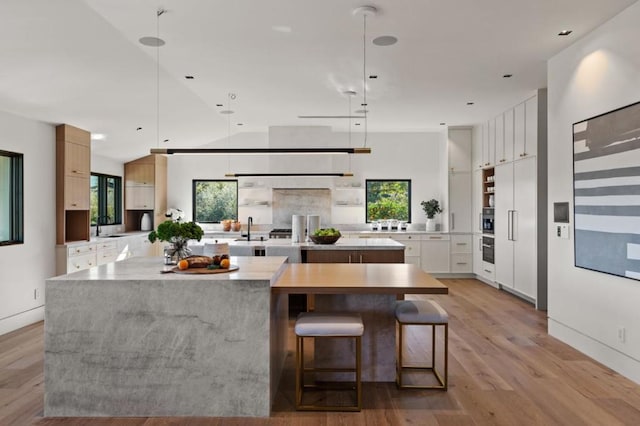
<point>488,249</point>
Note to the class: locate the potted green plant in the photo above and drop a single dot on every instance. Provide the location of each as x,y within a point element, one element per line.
<point>178,234</point>
<point>431,208</point>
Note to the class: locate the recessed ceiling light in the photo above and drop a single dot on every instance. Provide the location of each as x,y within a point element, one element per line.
<point>443,124</point>
<point>373,76</point>
<point>507,76</point>
<point>97,136</point>
<point>151,41</point>
<point>188,77</point>
<point>166,140</point>
<point>226,111</point>
<point>349,92</point>
<point>565,32</point>
<point>218,105</point>
<point>239,124</point>
<point>281,28</point>
<point>470,103</point>
<point>357,124</point>
<point>385,40</point>
<point>363,104</point>
<point>138,128</point>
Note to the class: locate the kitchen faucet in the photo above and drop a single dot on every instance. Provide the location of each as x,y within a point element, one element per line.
<point>249,223</point>
<point>98,224</point>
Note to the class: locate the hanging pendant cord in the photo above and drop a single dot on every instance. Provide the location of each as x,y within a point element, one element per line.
<point>158,14</point>
<point>364,76</point>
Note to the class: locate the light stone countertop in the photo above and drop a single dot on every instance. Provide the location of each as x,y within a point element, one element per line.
<point>264,268</point>
<point>341,244</point>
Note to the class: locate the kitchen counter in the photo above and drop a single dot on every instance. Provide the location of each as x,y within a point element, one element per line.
<point>123,339</point>
<point>341,244</point>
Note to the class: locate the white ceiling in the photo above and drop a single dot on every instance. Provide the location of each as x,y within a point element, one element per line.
<point>80,62</point>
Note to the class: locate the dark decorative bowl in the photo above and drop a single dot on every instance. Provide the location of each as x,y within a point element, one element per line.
<point>329,239</point>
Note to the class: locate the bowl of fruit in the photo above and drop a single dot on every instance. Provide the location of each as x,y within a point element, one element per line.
<point>325,236</point>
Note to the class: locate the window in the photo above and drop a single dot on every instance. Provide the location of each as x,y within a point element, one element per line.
<point>106,199</point>
<point>11,198</point>
<point>388,199</point>
<point>215,200</point>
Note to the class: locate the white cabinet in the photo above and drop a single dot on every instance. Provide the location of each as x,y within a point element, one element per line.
<point>477,254</point>
<point>107,252</point>
<point>500,148</point>
<point>412,247</point>
<point>461,253</point>
<point>489,148</point>
<point>435,253</point>
<point>515,226</point>
<point>531,127</point>
<point>477,145</point>
<point>476,201</point>
<point>507,150</point>
<point>459,205</point>
<point>459,148</point>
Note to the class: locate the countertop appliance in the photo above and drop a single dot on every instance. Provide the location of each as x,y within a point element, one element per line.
<point>280,233</point>
<point>487,220</point>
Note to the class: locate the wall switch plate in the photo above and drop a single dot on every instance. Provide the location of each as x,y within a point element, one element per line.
<point>562,231</point>
<point>36,293</point>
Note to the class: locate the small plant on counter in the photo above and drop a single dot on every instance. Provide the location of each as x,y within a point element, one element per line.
<point>178,234</point>
<point>431,208</point>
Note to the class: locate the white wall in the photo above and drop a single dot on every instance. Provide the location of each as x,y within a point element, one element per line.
<point>415,156</point>
<point>26,266</point>
<point>598,73</point>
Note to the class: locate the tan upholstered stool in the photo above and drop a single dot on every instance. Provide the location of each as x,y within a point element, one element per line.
<point>319,325</point>
<point>429,313</point>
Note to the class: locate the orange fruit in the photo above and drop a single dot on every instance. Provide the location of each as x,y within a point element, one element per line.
<point>224,263</point>
<point>183,264</point>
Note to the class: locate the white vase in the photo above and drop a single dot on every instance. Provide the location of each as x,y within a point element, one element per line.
<point>145,222</point>
<point>431,225</point>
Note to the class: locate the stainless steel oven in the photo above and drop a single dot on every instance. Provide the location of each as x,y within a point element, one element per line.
<point>488,249</point>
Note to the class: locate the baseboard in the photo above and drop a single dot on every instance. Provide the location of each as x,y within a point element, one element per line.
<point>22,319</point>
<point>486,281</point>
<point>453,275</point>
<point>612,358</point>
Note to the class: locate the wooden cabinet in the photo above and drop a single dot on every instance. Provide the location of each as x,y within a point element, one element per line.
<point>139,174</point>
<point>145,190</point>
<point>355,256</point>
<point>73,172</point>
<point>435,253</point>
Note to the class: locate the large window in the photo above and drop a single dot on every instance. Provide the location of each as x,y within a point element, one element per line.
<point>388,199</point>
<point>106,199</point>
<point>215,200</point>
<point>11,198</point>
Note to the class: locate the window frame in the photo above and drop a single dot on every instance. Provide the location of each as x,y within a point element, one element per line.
<point>366,195</point>
<point>16,198</point>
<point>193,197</point>
<point>102,199</point>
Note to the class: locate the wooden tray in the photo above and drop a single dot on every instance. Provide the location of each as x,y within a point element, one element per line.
<point>204,270</point>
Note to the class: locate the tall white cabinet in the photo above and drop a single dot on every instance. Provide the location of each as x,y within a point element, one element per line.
<point>518,137</point>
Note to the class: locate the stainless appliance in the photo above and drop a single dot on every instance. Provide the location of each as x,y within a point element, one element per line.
<point>487,220</point>
<point>488,246</point>
<point>280,233</point>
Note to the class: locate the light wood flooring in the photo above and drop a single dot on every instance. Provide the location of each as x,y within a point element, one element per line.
<point>504,370</point>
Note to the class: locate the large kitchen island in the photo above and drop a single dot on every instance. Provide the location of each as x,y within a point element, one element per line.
<point>125,339</point>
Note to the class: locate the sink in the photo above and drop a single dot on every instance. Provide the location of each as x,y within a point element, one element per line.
<point>252,239</point>
<point>112,236</point>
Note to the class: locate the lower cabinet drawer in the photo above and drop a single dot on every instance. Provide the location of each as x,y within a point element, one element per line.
<point>462,262</point>
<point>78,263</point>
<point>107,256</point>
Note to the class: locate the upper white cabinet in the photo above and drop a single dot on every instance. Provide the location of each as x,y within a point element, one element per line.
<point>531,128</point>
<point>507,150</point>
<point>489,145</point>
<point>459,148</point>
<point>500,141</point>
<point>477,146</point>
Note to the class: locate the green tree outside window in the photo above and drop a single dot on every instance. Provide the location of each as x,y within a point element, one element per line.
<point>388,199</point>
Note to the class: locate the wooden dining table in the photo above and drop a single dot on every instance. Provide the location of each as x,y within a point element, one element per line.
<point>370,289</point>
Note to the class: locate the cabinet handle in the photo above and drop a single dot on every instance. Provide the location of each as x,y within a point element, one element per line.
<point>479,221</point>
<point>453,221</point>
<point>461,244</point>
<point>409,237</point>
<point>78,172</point>
<point>503,160</point>
<point>349,258</point>
<point>461,263</point>
<point>480,244</point>
<point>435,238</point>
<point>487,271</point>
<point>74,204</point>
<point>360,258</point>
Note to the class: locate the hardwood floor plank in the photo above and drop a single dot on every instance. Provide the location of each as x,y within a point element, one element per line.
<point>504,369</point>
